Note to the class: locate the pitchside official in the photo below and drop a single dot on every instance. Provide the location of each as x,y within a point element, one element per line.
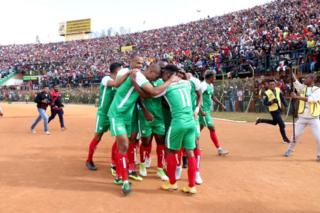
<point>273,99</point>
<point>309,111</point>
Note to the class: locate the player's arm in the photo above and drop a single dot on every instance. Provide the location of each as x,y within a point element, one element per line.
<point>118,81</point>
<point>142,93</point>
<point>156,91</point>
<point>1,112</point>
<point>216,100</point>
<point>199,103</point>
<point>147,114</point>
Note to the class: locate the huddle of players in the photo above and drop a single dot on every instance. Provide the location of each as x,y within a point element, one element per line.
<point>163,103</point>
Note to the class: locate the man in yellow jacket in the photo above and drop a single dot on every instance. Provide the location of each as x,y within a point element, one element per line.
<point>308,111</point>
<point>273,99</point>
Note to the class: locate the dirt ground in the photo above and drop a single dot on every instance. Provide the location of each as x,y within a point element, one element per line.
<point>41,173</point>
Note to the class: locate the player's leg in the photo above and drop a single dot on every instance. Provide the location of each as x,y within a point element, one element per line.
<point>145,141</point>
<point>197,154</point>
<point>92,147</point>
<point>160,140</point>
<point>189,145</point>
<point>173,143</point>
<point>300,125</point>
<point>121,129</point>
<point>213,135</point>
<point>102,125</point>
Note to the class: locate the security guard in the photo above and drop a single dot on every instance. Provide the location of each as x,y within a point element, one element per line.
<point>273,99</point>
<point>308,111</point>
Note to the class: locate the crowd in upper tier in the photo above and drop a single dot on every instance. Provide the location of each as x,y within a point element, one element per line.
<point>262,36</point>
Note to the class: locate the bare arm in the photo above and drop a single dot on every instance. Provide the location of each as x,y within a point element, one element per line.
<point>199,103</point>
<point>147,114</point>
<point>142,93</point>
<point>119,81</point>
<point>154,91</point>
<point>216,100</point>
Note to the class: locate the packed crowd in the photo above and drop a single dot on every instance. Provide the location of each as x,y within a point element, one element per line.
<point>265,38</point>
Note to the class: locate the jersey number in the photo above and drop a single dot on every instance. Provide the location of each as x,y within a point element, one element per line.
<point>185,98</point>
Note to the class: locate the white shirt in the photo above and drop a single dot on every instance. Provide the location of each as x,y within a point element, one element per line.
<point>313,95</point>
<point>196,82</point>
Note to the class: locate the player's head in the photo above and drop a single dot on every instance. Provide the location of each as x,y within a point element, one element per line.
<point>168,71</point>
<point>209,76</point>
<point>153,72</point>
<point>136,62</point>
<point>115,67</point>
<point>182,74</point>
<point>309,79</point>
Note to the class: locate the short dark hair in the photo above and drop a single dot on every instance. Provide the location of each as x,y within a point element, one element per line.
<point>208,74</point>
<point>114,66</point>
<point>171,68</point>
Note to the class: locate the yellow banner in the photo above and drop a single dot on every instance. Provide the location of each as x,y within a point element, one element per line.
<point>126,48</point>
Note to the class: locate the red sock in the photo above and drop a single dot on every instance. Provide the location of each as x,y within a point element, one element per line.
<point>178,157</point>
<point>148,150</point>
<point>171,167</point>
<point>192,171</point>
<point>142,153</point>
<point>114,152</point>
<point>214,138</point>
<point>92,147</point>
<point>160,155</point>
<point>131,156</point>
<point>197,154</point>
<point>123,166</point>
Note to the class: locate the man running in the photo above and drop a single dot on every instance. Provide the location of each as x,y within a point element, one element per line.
<point>205,118</point>
<point>57,106</point>
<point>273,100</point>
<point>43,100</point>
<point>122,106</point>
<point>107,89</point>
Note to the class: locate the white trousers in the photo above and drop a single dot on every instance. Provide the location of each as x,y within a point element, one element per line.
<point>301,124</point>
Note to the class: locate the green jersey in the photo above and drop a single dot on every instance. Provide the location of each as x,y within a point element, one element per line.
<point>178,96</point>
<point>154,105</point>
<point>106,96</point>
<point>195,86</point>
<point>126,96</point>
<point>207,91</point>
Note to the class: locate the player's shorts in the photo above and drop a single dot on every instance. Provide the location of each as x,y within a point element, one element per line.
<point>147,128</point>
<point>120,126</point>
<point>181,134</point>
<point>206,120</point>
<point>197,126</point>
<point>102,124</point>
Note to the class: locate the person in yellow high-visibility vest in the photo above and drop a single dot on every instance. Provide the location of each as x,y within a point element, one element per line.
<point>308,111</point>
<point>273,99</point>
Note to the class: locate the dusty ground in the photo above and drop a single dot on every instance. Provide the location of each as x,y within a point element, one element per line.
<point>41,173</point>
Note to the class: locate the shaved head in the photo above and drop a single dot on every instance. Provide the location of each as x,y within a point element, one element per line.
<point>153,72</point>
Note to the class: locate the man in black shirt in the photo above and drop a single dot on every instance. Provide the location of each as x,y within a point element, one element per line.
<point>43,100</point>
